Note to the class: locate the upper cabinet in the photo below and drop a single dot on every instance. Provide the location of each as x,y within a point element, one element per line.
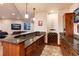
<point>69,21</point>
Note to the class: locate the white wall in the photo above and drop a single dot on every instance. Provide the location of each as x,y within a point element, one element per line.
<point>43,17</point>
<point>40,16</point>
<point>61,20</point>
<point>52,21</point>
<point>5,25</point>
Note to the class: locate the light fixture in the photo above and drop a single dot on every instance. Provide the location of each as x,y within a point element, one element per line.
<point>51,11</point>
<point>13,13</point>
<point>26,15</point>
<point>34,19</point>
<point>34,14</point>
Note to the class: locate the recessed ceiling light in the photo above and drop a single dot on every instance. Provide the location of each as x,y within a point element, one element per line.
<point>51,11</point>
<point>13,13</point>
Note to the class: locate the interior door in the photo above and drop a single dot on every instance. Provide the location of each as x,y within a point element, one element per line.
<point>69,21</point>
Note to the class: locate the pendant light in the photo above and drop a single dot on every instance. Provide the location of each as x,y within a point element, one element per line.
<point>26,14</point>
<point>33,14</point>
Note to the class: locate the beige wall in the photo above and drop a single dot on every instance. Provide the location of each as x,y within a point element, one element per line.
<point>61,23</point>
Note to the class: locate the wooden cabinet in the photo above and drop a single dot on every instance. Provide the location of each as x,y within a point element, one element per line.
<point>35,48</point>
<point>10,49</point>
<point>67,50</point>
<point>69,21</point>
<point>29,50</point>
<point>52,38</point>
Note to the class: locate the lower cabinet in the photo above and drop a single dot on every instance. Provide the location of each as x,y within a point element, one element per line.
<point>52,38</point>
<point>35,48</point>
<point>10,49</point>
<point>67,50</point>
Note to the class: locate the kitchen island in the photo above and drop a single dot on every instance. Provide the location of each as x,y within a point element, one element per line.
<point>23,44</point>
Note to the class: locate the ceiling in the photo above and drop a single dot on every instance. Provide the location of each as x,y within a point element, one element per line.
<point>19,9</point>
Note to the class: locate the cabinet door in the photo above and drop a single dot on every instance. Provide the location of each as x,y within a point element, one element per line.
<point>52,38</point>
<point>69,20</point>
<point>29,51</point>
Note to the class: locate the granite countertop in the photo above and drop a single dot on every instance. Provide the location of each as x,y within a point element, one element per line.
<point>32,40</point>
<point>13,40</point>
<point>72,41</point>
<point>76,37</point>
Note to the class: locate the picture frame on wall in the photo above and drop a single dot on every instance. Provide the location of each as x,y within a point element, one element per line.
<point>40,23</point>
<point>27,26</point>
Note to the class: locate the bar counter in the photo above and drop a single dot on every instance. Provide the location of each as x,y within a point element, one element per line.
<point>15,45</point>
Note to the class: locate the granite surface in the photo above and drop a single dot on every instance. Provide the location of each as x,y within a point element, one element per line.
<point>72,41</point>
<point>32,40</point>
<point>28,38</point>
<point>76,37</point>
